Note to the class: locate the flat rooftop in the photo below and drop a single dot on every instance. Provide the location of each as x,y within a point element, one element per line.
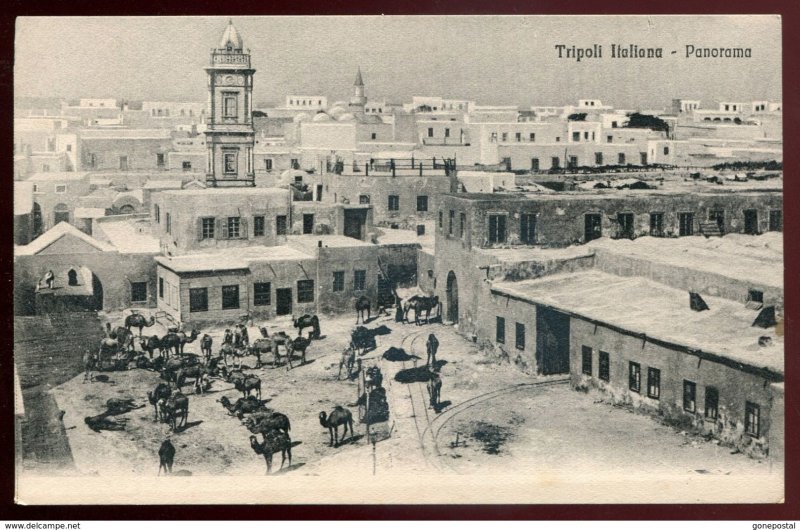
<point>231,258</point>
<point>758,259</point>
<point>645,307</point>
<point>222,192</point>
<point>129,236</point>
<point>396,236</point>
<point>521,254</point>
<point>311,241</point>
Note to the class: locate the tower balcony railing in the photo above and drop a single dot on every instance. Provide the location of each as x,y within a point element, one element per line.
<point>221,56</point>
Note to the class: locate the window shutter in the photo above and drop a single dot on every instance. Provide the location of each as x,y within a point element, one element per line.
<point>243,227</point>
<point>199,228</point>
<point>224,228</point>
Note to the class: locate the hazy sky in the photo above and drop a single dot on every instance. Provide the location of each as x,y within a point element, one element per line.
<point>492,60</point>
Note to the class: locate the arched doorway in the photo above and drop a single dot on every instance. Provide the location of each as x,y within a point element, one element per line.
<point>60,214</point>
<point>452,298</point>
<point>37,220</point>
<point>97,292</point>
<point>72,277</point>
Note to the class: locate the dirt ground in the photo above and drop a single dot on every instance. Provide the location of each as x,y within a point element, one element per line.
<point>500,425</point>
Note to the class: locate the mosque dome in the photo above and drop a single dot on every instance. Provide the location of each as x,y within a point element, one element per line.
<point>347,116</point>
<point>231,38</point>
<point>301,117</point>
<point>336,111</point>
<point>321,117</point>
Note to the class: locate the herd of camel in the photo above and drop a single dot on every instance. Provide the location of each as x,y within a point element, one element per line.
<point>176,368</point>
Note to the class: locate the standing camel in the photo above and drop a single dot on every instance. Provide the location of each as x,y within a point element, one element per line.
<point>150,344</point>
<point>138,321</point>
<point>362,304</point>
<point>123,336</point>
<point>338,416</point>
<point>274,441</point>
<point>176,341</point>
<point>166,455</point>
<point>306,321</point>
<point>422,303</point>
<point>172,407</point>
<point>205,346</point>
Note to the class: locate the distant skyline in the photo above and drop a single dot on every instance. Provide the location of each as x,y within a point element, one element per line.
<point>502,60</point>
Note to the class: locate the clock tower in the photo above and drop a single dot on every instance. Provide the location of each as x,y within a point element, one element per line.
<point>229,133</point>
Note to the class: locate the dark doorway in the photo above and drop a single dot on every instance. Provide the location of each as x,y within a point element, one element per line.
<point>72,277</point>
<point>718,216</point>
<point>319,192</point>
<point>308,223</point>
<point>97,294</point>
<point>751,222</point>
<point>283,299</point>
<point>592,227</point>
<point>552,341</point>
<point>37,220</point>
<point>60,214</point>
<point>355,222</point>
<point>452,297</point>
<point>625,221</point>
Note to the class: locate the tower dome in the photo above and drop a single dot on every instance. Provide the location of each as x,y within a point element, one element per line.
<point>231,38</point>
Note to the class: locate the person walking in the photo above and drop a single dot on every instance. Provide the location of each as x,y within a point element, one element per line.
<point>432,346</point>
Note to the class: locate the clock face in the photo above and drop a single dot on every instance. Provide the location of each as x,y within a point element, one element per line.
<point>230,79</point>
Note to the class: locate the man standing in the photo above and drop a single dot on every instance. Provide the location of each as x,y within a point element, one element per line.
<point>432,347</point>
<point>49,279</point>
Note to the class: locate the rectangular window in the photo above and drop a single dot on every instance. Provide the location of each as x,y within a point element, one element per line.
<point>462,231</point>
<point>363,199</point>
<point>268,164</point>
<point>430,132</point>
<point>585,135</point>
<point>625,221</point>
<point>666,150</point>
<point>598,159</point>
<point>527,228</point>
<point>656,224</point>
<point>187,165</point>
<point>712,403</point>
<point>653,383</point>
<point>394,203</point>
<point>754,295</point>
<point>230,163</point>
<point>497,229</point>
<point>576,137</point>
<point>359,280</point>
<point>160,160</point>
<point>685,224</point>
<point>169,223</point>
<point>157,212</point>
<point>441,219</point>
<point>534,164</point>
<point>504,137</point>
<point>532,137</point>
<point>338,281</point>
<point>123,163</point>
<point>775,220</point>
<point>229,105</point>
<point>280,225</point>
<point>752,419</point>
<point>609,139</point>
<point>198,300</point>
<point>374,136</point>
<point>295,163</point>
<point>689,396</point>
<point>305,291</point>
<point>586,360</point>
<point>643,159</point>
<point>451,221</point>
<point>518,137</point>
<point>573,161</point>
<point>161,288</point>
<point>447,133</point>
<point>138,291</point>
<point>500,330</point>
<point>555,163</point>
<point>621,159</point>
<point>604,368</point>
<point>262,293</point>
<point>230,297</point>
<point>234,227</point>
<point>634,377</point>
<point>422,203</point>
<point>207,228</point>
<point>259,226</point>
<point>520,336</point>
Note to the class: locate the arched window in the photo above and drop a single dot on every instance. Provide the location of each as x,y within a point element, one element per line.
<point>72,277</point>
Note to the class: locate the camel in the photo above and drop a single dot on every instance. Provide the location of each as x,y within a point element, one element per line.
<point>267,420</point>
<point>232,376</point>
<point>172,407</point>
<point>123,336</point>
<point>347,361</point>
<point>300,344</point>
<point>115,406</point>
<point>307,321</point>
<point>171,368</point>
<point>89,365</point>
<point>138,321</point>
<point>198,372</point>
<point>166,455</point>
<point>274,441</point>
<point>102,423</point>
<point>212,365</point>
<point>362,304</point>
<point>362,339</point>
<point>205,346</point>
<point>248,384</point>
<point>177,340</point>
<point>150,345</point>
<point>281,339</point>
<point>262,346</point>
<point>161,391</point>
<point>338,416</point>
<point>242,406</point>
<point>422,303</point>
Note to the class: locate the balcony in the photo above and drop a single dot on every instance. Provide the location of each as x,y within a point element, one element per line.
<point>224,57</point>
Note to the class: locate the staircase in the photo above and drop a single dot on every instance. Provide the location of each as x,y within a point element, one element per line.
<point>710,229</point>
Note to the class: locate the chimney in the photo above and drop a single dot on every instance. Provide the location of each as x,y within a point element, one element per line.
<point>696,302</point>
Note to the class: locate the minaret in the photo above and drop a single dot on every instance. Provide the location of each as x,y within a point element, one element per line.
<point>230,136</point>
<point>358,99</point>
